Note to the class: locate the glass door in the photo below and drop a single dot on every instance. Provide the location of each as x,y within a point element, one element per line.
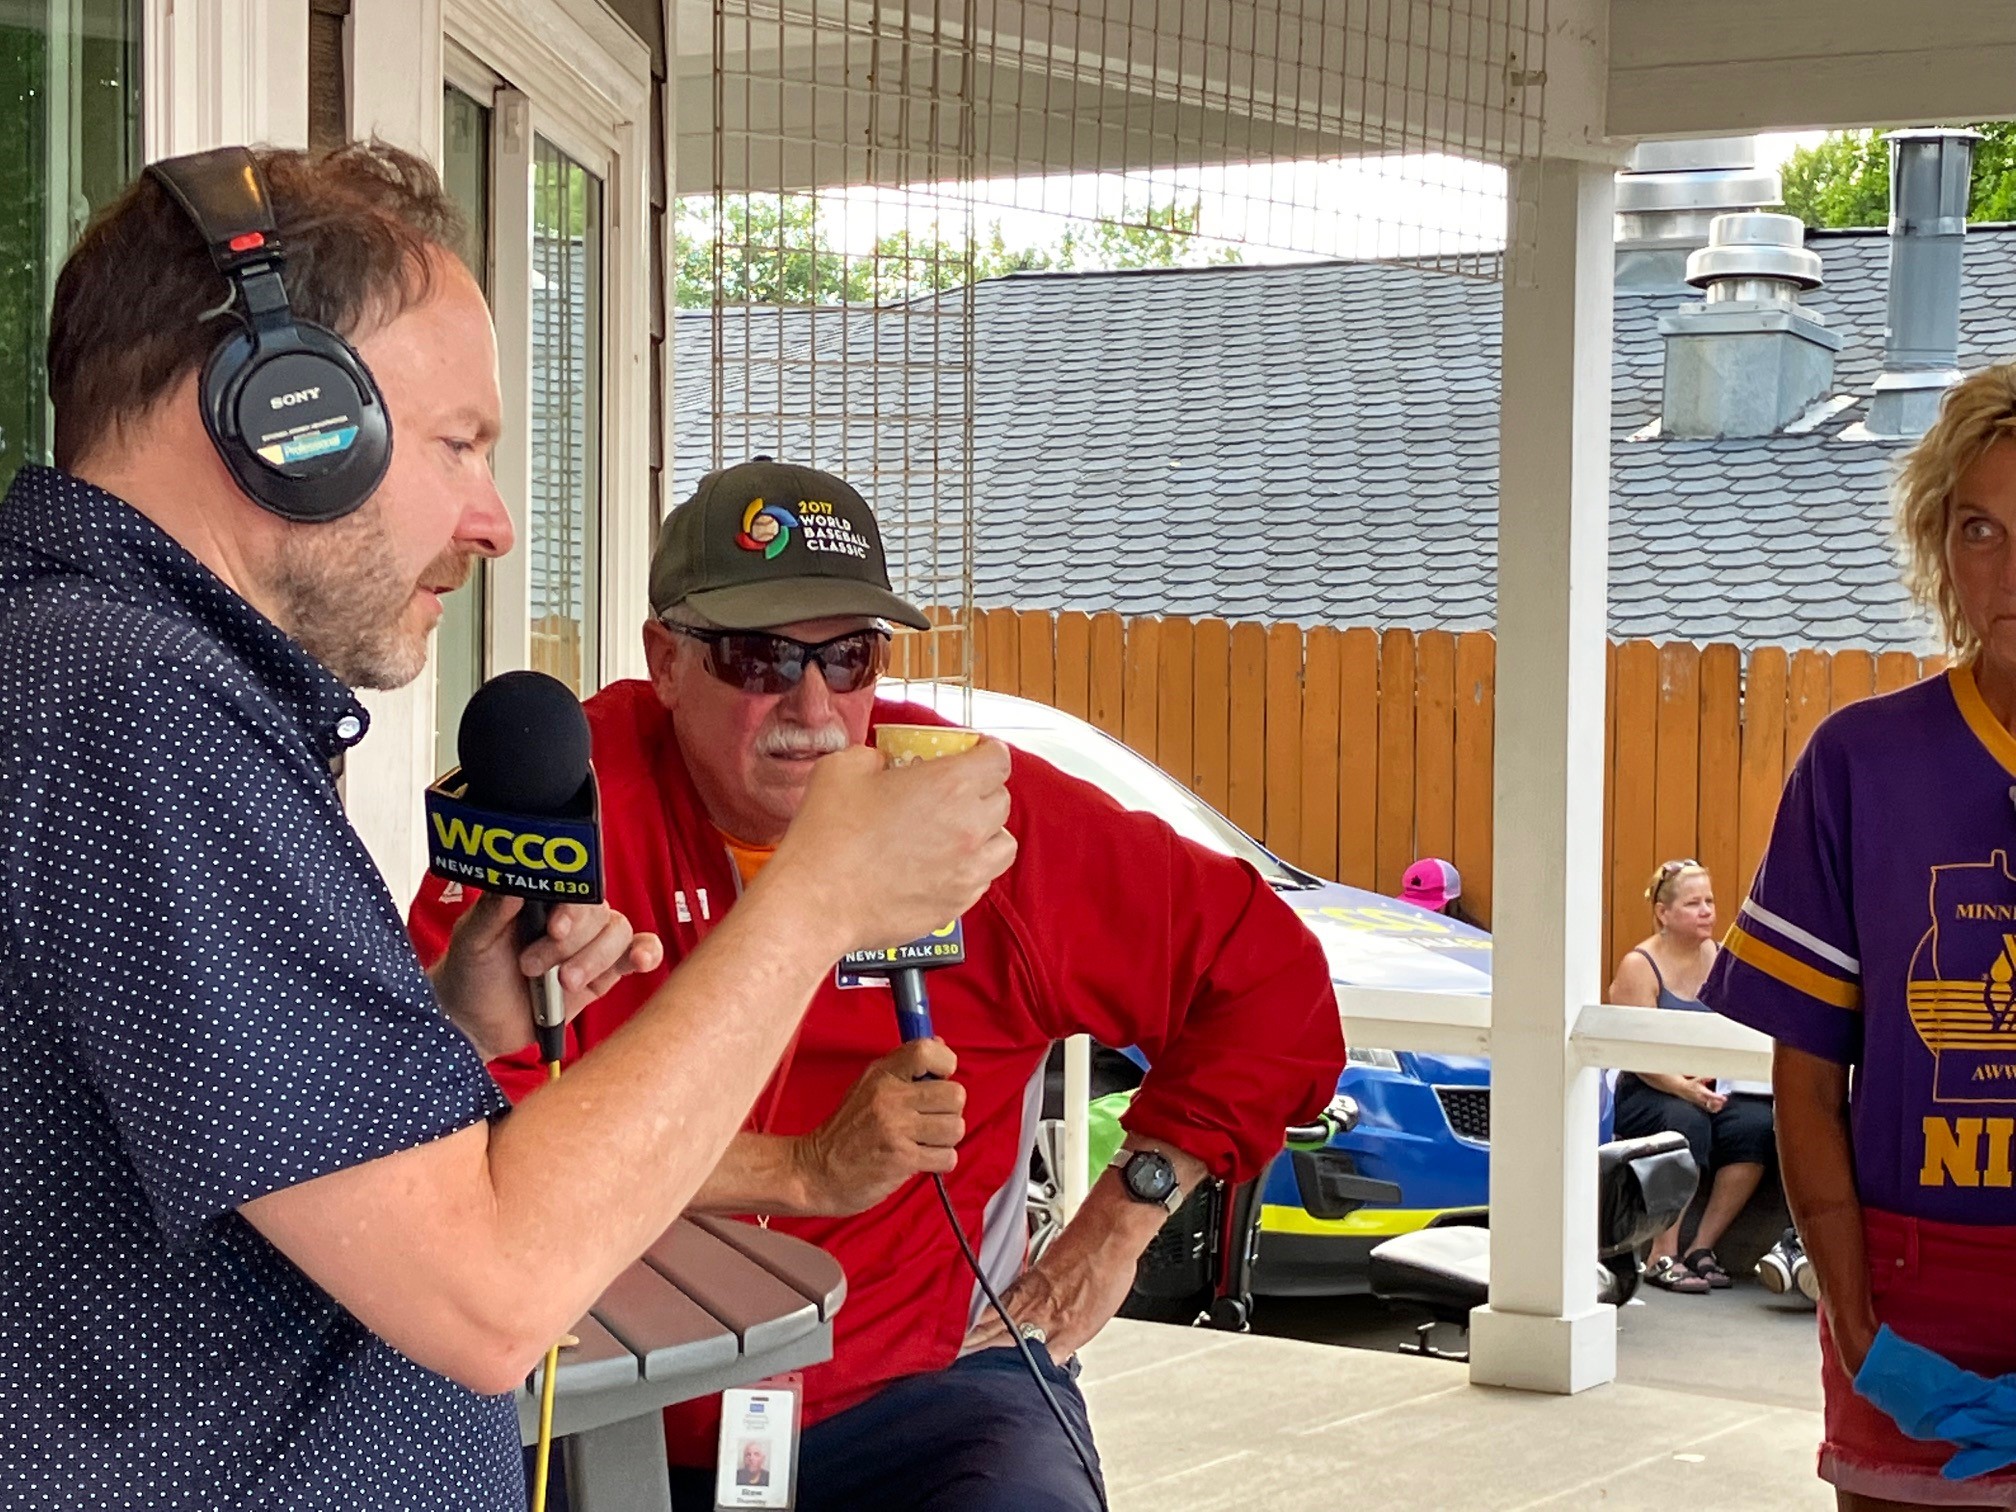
<point>566,491</point>
<point>69,141</point>
<point>459,643</point>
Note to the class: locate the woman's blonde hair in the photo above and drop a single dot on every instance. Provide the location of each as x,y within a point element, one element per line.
<point>1669,877</point>
<point>1977,412</point>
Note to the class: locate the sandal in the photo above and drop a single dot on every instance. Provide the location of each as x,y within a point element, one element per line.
<point>1704,1264</point>
<point>1669,1274</point>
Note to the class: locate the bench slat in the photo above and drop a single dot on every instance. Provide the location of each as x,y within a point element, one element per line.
<point>805,1268</point>
<point>763,1312</point>
<point>671,1333</point>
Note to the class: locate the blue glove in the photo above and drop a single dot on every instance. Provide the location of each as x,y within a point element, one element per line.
<point>1931,1398</point>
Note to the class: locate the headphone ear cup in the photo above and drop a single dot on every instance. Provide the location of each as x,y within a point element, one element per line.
<point>298,420</point>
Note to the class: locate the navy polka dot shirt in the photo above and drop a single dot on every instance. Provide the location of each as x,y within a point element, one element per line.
<point>206,994</point>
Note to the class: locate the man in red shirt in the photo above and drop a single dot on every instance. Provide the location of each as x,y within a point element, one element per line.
<point>1109,923</point>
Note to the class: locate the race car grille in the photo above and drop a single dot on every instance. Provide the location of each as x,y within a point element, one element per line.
<point>1468,1110</point>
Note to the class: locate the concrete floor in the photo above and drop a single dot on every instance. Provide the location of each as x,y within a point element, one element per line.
<point>1742,1343</point>
<point>1716,1406</point>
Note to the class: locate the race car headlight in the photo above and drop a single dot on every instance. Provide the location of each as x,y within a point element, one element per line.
<point>1385,1060</point>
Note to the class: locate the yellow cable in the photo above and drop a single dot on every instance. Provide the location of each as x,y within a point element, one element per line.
<point>544,1458</point>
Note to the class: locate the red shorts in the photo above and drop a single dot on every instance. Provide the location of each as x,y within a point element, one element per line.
<point>1952,1288</point>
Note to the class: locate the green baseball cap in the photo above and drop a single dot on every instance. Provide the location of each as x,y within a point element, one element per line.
<point>765,543</point>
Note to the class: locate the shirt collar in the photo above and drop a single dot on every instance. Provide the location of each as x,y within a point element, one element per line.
<point>79,527</point>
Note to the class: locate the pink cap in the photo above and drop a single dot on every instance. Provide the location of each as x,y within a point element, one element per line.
<point>1431,883</point>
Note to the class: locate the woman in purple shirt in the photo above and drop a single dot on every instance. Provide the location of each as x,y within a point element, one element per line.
<point>1878,949</point>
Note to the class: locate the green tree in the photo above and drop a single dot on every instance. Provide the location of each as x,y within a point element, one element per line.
<point>996,259</point>
<point>907,264</point>
<point>775,251</point>
<point>1844,180</point>
<point>1164,236</point>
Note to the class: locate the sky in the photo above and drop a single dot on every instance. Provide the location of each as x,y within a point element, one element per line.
<point>1414,206</point>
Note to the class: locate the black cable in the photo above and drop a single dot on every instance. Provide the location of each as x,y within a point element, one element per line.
<point>1078,1446</point>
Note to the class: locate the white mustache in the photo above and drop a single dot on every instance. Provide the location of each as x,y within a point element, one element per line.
<point>797,740</point>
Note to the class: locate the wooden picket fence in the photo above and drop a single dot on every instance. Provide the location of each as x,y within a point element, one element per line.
<point>1352,752</point>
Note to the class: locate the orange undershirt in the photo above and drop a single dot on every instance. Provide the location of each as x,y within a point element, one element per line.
<point>749,859</point>
<point>749,862</point>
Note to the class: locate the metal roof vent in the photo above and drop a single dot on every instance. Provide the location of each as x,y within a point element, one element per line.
<point>1750,358</point>
<point>1755,256</point>
<point>1671,194</point>
<point>1673,190</point>
<point>1930,183</point>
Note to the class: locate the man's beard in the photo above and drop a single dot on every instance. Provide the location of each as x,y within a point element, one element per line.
<point>341,595</point>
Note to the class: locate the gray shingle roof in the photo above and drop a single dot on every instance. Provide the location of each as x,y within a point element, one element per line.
<point>1319,443</point>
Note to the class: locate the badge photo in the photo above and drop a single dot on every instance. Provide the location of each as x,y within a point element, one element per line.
<point>758,1461</point>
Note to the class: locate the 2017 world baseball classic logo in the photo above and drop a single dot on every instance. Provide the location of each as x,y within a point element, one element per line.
<point>766,528</point>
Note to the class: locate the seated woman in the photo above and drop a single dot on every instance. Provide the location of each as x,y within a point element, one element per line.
<point>1729,1130</point>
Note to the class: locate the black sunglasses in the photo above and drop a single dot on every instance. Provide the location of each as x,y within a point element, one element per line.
<point>755,661</point>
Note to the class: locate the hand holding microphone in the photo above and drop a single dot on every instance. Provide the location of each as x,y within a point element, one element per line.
<point>956,784</point>
<point>904,1116</point>
<point>482,981</point>
<point>517,819</point>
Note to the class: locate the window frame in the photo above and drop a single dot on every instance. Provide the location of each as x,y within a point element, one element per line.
<point>471,79</point>
<point>568,71</point>
<point>592,630</point>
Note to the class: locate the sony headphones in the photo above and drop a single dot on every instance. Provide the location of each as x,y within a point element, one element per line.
<point>289,405</point>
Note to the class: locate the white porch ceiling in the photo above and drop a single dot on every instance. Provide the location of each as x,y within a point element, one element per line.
<point>1706,67</point>
<point>1124,85</point>
<point>1137,84</point>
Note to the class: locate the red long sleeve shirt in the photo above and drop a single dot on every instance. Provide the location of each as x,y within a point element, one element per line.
<point>1109,923</point>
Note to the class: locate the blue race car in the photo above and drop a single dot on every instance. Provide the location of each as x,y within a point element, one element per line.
<point>1423,1122</point>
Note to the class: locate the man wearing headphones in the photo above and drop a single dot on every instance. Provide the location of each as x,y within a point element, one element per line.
<point>268,1241</point>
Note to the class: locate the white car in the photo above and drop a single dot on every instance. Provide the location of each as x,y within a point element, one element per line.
<point>1422,1121</point>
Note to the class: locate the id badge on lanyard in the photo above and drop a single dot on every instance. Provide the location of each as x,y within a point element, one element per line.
<point>757,1465</point>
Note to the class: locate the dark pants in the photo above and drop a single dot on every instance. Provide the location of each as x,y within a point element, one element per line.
<point>1739,1135</point>
<point>556,1477</point>
<point>976,1437</point>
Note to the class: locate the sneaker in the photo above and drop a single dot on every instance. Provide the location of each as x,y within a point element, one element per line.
<point>1779,1269</point>
<point>1806,1278</point>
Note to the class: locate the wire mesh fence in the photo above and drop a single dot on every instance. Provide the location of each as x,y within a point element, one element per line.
<point>854,355</point>
<point>873,159</point>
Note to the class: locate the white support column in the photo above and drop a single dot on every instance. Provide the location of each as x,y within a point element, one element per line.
<point>1076,1177</point>
<point>1544,1330</point>
<point>394,69</point>
<point>221,73</point>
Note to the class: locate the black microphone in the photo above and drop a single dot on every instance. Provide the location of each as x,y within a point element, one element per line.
<point>519,815</point>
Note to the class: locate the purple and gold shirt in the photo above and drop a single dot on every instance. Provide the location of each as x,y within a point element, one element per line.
<point>1881,933</point>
